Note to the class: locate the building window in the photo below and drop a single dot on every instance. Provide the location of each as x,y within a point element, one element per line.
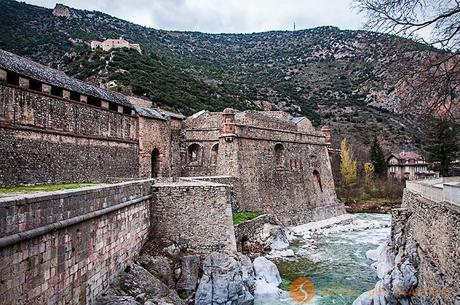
<point>194,154</point>
<point>12,78</point>
<point>74,96</point>
<point>155,163</point>
<point>126,110</point>
<point>279,156</point>
<point>35,85</point>
<point>318,179</point>
<point>113,106</point>
<point>56,91</point>
<point>214,154</point>
<point>94,101</point>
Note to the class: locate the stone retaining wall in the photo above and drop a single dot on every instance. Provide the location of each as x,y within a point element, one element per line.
<point>195,215</point>
<point>65,247</point>
<point>435,228</point>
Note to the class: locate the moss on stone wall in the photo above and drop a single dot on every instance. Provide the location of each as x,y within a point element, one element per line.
<point>25,189</point>
<point>240,217</point>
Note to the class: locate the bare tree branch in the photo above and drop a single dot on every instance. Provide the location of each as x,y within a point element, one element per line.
<point>429,77</point>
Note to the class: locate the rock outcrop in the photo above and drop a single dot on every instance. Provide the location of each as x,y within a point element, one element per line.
<point>268,280</point>
<point>136,284</point>
<point>261,235</point>
<point>190,271</point>
<point>223,281</point>
<point>216,278</point>
<point>396,265</point>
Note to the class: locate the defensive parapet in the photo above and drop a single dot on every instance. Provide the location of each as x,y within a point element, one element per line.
<point>65,247</point>
<point>441,189</point>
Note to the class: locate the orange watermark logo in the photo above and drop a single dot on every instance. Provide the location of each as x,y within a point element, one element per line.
<point>302,290</point>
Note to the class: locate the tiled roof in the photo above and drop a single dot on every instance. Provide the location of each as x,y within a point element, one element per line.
<point>149,113</point>
<point>47,75</point>
<point>408,155</point>
<point>171,114</point>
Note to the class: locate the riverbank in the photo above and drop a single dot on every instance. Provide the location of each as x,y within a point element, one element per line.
<point>378,206</point>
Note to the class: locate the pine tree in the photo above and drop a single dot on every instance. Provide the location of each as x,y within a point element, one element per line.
<point>378,158</point>
<point>443,144</point>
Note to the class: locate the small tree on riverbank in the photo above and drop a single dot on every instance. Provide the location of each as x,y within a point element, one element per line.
<point>369,170</point>
<point>347,166</point>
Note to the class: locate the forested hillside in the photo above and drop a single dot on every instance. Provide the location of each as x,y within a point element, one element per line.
<point>336,77</point>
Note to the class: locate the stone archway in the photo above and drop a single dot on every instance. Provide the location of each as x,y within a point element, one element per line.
<point>155,171</point>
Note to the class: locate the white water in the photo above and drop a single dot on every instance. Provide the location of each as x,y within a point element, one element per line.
<point>334,259</point>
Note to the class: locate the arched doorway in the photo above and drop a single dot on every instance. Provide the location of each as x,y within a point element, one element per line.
<point>155,163</point>
<point>214,154</point>
<point>194,154</point>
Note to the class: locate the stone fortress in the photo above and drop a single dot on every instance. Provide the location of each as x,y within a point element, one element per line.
<point>110,44</point>
<point>195,171</point>
<point>56,129</point>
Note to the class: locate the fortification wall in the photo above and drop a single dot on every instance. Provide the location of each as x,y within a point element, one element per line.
<point>287,188</point>
<point>155,134</point>
<point>435,228</point>
<point>65,247</point>
<point>267,119</point>
<point>207,153</point>
<point>49,139</point>
<point>196,215</point>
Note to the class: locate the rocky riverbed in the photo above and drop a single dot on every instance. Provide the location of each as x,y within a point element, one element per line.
<point>331,254</point>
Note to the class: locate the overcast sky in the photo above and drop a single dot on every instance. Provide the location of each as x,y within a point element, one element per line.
<point>228,16</point>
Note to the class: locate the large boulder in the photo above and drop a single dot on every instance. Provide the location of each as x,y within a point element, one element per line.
<point>190,274</point>
<point>267,270</point>
<point>222,282</point>
<point>261,235</point>
<point>274,237</point>
<point>137,282</point>
<point>160,266</point>
<point>248,273</point>
<point>268,280</point>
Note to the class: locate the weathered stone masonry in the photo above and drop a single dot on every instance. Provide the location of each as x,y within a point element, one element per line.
<point>65,247</point>
<point>195,215</point>
<point>430,218</point>
<point>280,164</point>
<point>48,139</point>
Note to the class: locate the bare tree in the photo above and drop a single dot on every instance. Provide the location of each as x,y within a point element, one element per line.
<point>432,84</point>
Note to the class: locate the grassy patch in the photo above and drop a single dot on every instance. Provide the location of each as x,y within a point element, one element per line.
<point>240,217</point>
<point>24,189</point>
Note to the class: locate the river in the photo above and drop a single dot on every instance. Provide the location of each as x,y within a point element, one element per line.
<point>336,262</point>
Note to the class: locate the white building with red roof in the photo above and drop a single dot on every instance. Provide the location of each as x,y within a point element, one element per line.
<point>409,165</point>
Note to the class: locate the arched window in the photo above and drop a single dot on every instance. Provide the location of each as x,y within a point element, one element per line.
<point>279,156</point>
<point>194,153</point>
<point>155,163</point>
<point>214,154</point>
<point>318,179</point>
